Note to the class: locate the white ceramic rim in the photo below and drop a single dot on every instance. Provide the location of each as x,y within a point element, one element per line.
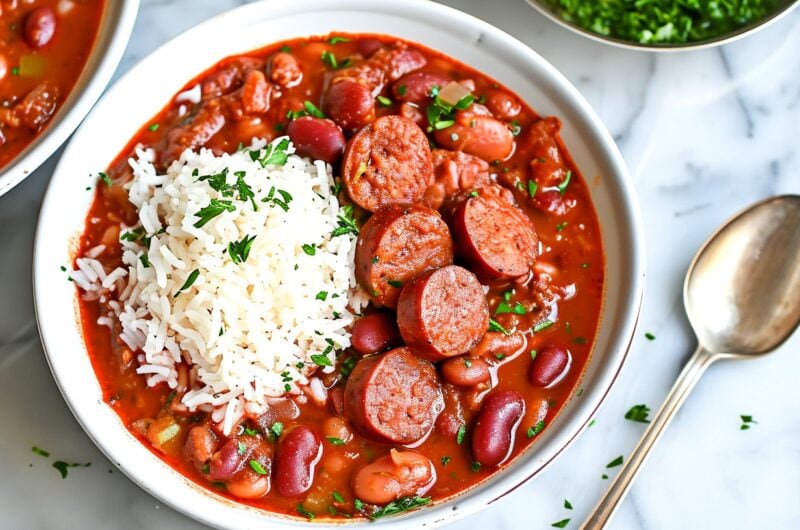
<point>725,38</point>
<point>587,137</point>
<point>112,38</point>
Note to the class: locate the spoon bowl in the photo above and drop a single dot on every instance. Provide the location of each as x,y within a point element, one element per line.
<point>742,291</point>
<point>741,295</point>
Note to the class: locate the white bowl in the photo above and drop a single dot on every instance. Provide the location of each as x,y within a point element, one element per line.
<point>112,37</point>
<point>150,85</point>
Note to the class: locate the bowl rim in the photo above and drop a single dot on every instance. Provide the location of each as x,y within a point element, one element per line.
<point>719,40</point>
<point>113,33</point>
<point>508,478</point>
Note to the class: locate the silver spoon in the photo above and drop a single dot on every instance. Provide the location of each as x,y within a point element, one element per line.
<point>742,295</point>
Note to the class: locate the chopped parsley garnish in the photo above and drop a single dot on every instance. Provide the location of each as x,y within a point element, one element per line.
<point>504,307</point>
<point>374,259</point>
<point>105,178</point>
<point>395,283</point>
<point>250,432</point>
<point>330,59</point>
<point>337,40</point>
<point>474,193</point>
<point>15,71</point>
<point>495,326</point>
<point>62,467</point>
<point>462,431</point>
<point>441,114</point>
<point>662,21</point>
<point>274,154</point>
<point>347,366</point>
<point>562,187</point>
<point>649,336</point>
<point>215,207</point>
<point>134,235</point>
<point>399,506</point>
<point>40,452</point>
<point>592,423</point>
<point>515,128</point>
<point>476,466</point>
<point>560,524</point>
<point>285,49</point>
<point>347,225</point>
<point>536,429</point>
<point>321,360</point>
<point>604,476</point>
<point>334,440</point>
<point>746,421</point>
<point>322,295</point>
<point>532,187</point>
<point>445,460</point>
<point>499,356</point>
<point>309,249</point>
<point>305,513</point>
<point>534,353</point>
<point>638,413</point>
<point>153,127</point>
<point>614,463</point>
<point>239,251</point>
<point>276,430</point>
<point>542,325</point>
<point>579,340</point>
<point>383,100</point>
<point>189,282</point>
<point>241,448</point>
<point>402,89</point>
<point>145,261</point>
<point>567,504</point>
<point>561,226</point>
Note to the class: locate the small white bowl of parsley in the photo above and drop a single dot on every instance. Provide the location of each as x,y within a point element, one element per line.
<point>664,25</point>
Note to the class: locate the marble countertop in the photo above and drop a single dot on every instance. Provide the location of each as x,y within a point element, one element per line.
<point>704,134</point>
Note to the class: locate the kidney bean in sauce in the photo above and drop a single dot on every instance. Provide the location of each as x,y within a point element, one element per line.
<point>565,287</point>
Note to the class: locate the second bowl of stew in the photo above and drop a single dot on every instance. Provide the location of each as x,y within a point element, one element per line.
<point>384,263</point>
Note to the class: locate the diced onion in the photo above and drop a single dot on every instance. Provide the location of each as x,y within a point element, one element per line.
<point>453,92</point>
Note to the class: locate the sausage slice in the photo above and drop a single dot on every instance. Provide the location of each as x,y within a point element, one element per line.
<point>443,313</point>
<point>397,243</point>
<point>393,398</point>
<point>494,236</point>
<point>387,162</point>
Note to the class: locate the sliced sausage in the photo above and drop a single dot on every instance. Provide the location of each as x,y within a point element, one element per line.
<point>495,237</point>
<point>548,167</point>
<point>396,244</point>
<point>393,398</point>
<point>349,104</point>
<point>384,66</point>
<point>390,477</point>
<point>284,70</point>
<point>443,313</point>
<point>374,333</point>
<point>388,162</point>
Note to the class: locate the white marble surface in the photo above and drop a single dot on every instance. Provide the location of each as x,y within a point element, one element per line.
<point>704,134</point>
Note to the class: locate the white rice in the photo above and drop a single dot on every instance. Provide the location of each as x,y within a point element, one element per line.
<point>250,328</point>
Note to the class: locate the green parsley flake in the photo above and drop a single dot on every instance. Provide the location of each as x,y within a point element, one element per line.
<point>638,413</point>
<point>337,496</point>
<point>542,325</point>
<point>347,225</point>
<point>567,504</point>
<point>321,360</point>
<point>746,421</point>
<point>532,187</point>
<point>462,431</point>
<point>62,467</point>
<point>322,295</point>
<point>445,460</point>
<point>560,524</point>
<point>649,336</point>
<point>215,207</point>
<point>562,187</point>
<point>276,430</point>
<point>105,178</point>
<point>383,100</point>
<point>395,283</point>
<point>330,59</point>
<point>189,282</point>
<point>495,326</point>
<point>476,466</point>
<point>337,40</point>
<point>334,440</point>
<point>536,429</point>
<point>305,513</point>
<point>40,452</point>
<point>153,127</point>
<point>239,251</point>
<point>614,463</point>
<point>399,506</point>
<point>309,249</point>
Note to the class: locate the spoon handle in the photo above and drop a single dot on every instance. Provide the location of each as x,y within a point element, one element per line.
<point>608,504</point>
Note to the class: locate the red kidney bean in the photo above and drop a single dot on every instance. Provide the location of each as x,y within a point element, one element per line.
<point>416,86</point>
<point>226,462</point>
<point>350,104</point>
<point>374,333</point>
<point>499,346</point>
<point>502,104</point>
<point>367,47</point>
<point>39,27</point>
<point>248,486</point>
<point>465,371</point>
<point>550,365</point>
<point>390,477</point>
<point>493,431</point>
<point>199,446</point>
<point>316,138</point>
<point>336,400</point>
<point>476,134</point>
<point>299,451</point>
